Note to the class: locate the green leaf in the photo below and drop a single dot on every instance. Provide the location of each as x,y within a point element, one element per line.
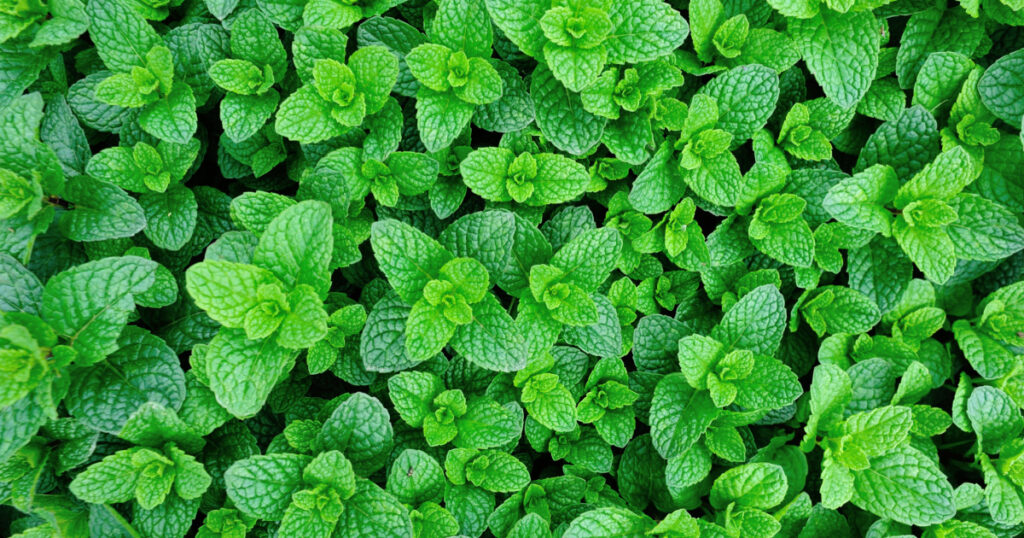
<point>796,8</point>
<point>485,172</point>
<point>770,385</point>
<point>491,340</point>
<point>172,518</point>
<point>878,431</point>
<point>242,372</point>
<point>1000,86</point>
<point>716,179</point>
<point>360,428</point>
<point>253,211</point>
<point>110,480</point>
<point>491,470</point>
<point>841,50</point>
<point>603,338</point>
<point>589,257</point>
<point>244,115</point>
<point>531,525</point>
<point>558,180</point>
<point>1001,495</point>
<point>746,97</point>
<point>382,343</point>
<point>427,331</point>
<point>415,477</point>
<point>487,425</point>
<point>860,200</point>
<point>549,403</point>
<point>22,419</point>
<point>20,290</point>
<point>123,36</point>
<point>304,522</point>
<point>89,304</point>
<point>172,118</point>
<point>519,22</point>
<point>412,394</point>
<point>101,211</point>
<point>561,116</point>
<point>226,290</point>
<point>608,521</point>
<point>838,310</point>
<point>756,322</point>
<point>880,271</point>
<point>464,25</point>
<point>304,117</point>
<point>297,244</point>
<point>941,179</point>
<point>679,415</point>
<point>643,31</point>
<point>906,486</point>
<point>373,512</point>
<point>789,242</point>
<point>984,230</point>
<point>262,486</point>
<point>994,417</point>
<point>831,391</point>
<point>935,30</point>
<point>376,71</point>
<point>513,110</point>
<point>931,250</point>
<point>143,369</point>
<point>575,68</point>
<point>154,425</point>
<point>407,256</point>
<point>940,79</point>
<point>170,216</point>
<point>906,143</point>
<point>753,485</point>
<point>657,186</point>
<point>440,117</point>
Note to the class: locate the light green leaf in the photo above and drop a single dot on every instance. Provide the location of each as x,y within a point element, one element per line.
<point>242,372</point>
<point>906,486</point>
<point>841,50</point>
<point>297,244</point>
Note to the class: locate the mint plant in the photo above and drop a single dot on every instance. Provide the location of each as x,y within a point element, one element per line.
<point>511,268</point>
<point>258,62</point>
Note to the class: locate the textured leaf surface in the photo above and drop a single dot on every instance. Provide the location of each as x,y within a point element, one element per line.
<point>242,372</point>
<point>90,304</point>
<point>905,486</point>
<point>841,50</point>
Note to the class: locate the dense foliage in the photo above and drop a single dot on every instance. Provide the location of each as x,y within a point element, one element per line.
<point>511,268</point>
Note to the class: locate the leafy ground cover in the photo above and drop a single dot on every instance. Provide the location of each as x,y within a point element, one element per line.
<point>511,268</point>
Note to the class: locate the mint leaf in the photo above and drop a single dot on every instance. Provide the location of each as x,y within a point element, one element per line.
<point>262,486</point>
<point>746,97</point>
<point>1001,80</point>
<point>101,211</point>
<point>561,116</point>
<point>644,31</point>
<point>360,428</point>
<point>242,372</point>
<point>919,497</point>
<point>170,216</point>
<point>756,322</point>
<point>407,256</point>
<point>90,304</point>
<point>124,35</point>
<point>143,369</point>
<point>491,340</point>
<point>841,50</point>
